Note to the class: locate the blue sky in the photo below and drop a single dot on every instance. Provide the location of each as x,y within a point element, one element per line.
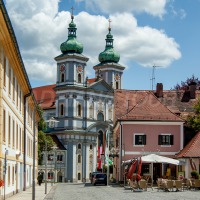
<point>146,33</point>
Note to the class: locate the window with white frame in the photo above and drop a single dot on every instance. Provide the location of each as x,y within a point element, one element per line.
<point>165,139</point>
<point>139,139</point>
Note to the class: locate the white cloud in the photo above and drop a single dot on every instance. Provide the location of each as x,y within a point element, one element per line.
<point>181,13</point>
<point>41,31</point>
<point>152,7</point>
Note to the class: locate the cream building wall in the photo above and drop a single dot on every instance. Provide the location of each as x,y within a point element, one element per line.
<point>14,85</point>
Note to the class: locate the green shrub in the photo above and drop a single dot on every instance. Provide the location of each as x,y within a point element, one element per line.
<point>195,174</point>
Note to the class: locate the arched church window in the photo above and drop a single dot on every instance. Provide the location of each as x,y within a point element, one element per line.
<point>79,158</point>
<point>117,85</point>
<point>79,146</point>
<point>79,78</point>
<point>100,116</point>
<point>79,110</point>
<point>61,109</point>
<point>62,77</point>
<point>100,139</point>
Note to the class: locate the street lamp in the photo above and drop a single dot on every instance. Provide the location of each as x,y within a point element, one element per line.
<point>108,152</point>
<point>5,169</point>
<point>55,156</point>
<point>45,167</point>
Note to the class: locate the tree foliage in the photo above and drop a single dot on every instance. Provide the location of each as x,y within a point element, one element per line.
<point>41,124</point>
<point>43,139</point>
<point>193,121</point>
<point>185,84</point>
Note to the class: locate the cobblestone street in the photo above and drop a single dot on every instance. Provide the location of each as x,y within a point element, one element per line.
<point>101,192</point>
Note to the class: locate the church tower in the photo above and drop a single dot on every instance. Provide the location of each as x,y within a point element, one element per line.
<point>109,69</point>
<point>71,63</point>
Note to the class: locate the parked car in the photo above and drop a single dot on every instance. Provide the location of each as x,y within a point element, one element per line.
<point>99,178</point>
<point>92,175</point>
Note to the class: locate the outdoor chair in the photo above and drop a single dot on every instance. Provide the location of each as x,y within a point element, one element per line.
<point>143,184</point>
<point>189,184</point>
<point>184,184</point>
<point>178,185</point>
<point>150,183</point>
<point>133,185</point>
<point>169,185</point>
<point>160,184</point>
<point>196,184</point>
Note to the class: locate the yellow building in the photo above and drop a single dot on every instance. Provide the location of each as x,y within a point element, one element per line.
<point>17,111</point>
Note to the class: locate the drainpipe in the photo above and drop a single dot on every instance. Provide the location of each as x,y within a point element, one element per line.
<point>120,158</point>
<point>24,157</point>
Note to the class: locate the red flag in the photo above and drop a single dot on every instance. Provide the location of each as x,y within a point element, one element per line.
<point>139,167</point>
<point>131,169</point>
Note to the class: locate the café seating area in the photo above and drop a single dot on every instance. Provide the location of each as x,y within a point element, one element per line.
<point>178,185</point>
<point>165,185</point>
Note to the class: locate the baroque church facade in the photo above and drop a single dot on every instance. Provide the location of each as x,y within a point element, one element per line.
<point>82,107</point>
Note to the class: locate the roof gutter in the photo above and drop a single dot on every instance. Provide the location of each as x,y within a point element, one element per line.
<point>13,37</point>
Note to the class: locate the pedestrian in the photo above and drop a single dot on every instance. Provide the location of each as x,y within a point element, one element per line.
<point>40,178</point>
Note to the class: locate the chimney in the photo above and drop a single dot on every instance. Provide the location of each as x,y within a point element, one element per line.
<point>159,90</point>
<point>192,89</point>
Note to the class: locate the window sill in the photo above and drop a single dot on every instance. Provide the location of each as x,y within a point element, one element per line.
<point>165,145</point>
<point>138,145</point>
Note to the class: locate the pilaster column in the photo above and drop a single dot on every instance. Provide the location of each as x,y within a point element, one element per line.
<point>74,175</point>
<point>94,158</point>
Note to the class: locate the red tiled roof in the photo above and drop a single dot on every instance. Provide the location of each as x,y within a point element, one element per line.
<point>91,80</point>
<point>141,105</point>
<point>45,96</point>
<point>192,149</point>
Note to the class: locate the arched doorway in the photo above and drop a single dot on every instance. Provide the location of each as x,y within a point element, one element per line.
<point>59,177</point>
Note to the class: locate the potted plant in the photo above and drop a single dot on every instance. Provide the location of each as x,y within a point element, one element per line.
<point>195,174</point>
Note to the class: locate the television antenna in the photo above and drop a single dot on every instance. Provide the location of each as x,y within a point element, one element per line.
<point>153,76</point>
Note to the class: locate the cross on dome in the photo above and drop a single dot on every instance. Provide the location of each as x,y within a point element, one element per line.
<point>72,12</point>
<point>109,27</point>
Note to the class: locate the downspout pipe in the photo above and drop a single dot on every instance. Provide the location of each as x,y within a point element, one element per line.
<point>24,157</point>
<point>120,159</point>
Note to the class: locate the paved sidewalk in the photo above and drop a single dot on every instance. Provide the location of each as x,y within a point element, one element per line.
<point>27,195</point>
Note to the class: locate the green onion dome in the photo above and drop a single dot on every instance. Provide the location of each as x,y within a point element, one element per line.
<point>71,45</point>
<point>109,54</point>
